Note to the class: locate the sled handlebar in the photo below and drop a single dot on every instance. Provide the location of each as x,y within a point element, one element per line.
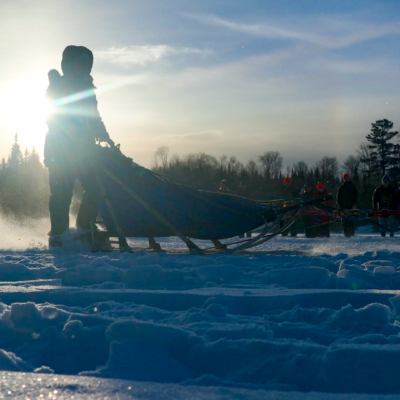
<point>384,214</point>
<point>305,203</point>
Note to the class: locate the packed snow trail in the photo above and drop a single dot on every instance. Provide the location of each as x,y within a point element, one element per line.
<point>22,386</point>
<point>297,318</point>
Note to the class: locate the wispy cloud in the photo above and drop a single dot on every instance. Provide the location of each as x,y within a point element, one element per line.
<point>142,55</point>
<point>324,32</point>
<point>350,66</point>
<point>202,136</point>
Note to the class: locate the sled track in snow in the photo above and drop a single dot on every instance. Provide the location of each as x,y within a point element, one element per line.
<point>287,319</point>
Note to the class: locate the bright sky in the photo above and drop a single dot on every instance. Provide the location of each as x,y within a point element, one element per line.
<point>305,78</point>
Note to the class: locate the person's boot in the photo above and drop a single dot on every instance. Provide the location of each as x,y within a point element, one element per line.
<point>55,241</point>
<point>391,234</point>
<point>383,234</point>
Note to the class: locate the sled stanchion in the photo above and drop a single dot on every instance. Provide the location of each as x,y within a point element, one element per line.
<point>153,245</point>
<point>191,246</point>
<point>94,246</point>
<point>218,245</point>
<point>123,244</point>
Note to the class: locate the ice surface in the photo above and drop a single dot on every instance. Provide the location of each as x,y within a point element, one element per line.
<point>21,386</point>
<point>299,315</point>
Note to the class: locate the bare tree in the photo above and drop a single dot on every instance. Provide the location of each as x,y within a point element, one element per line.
<point>272,163</point>
<point>364,154</point>
<point>175,159</point>
<point>351,164</point>
<point>234,166</point>
<point>161,157</point>
<point>251,167</point>
<point>300,168</point>
<point>329,166</point>
<point>223,161</point>
<point>201,161</point>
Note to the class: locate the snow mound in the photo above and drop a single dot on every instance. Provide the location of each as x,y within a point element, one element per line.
<point>253,320</point>
<point>142,361</point>
<point>310,277</point>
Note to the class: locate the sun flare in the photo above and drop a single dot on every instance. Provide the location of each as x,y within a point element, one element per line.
<point>23,109</point>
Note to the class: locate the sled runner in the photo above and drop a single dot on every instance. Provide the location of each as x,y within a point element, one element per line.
<point>136,202</point>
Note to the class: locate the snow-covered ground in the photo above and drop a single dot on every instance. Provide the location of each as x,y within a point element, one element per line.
<point>296,315</point>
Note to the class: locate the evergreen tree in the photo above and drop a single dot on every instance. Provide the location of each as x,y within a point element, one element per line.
<point>382,157</point>
<point>24,190</point>
<point>15,159</point>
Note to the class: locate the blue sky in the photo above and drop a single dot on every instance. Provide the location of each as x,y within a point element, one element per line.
<point>305,78</point>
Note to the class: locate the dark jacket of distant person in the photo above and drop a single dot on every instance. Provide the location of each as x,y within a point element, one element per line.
<point>323,192</point>
<point>307,192</point>
<point>347,195</point>
<point>384,198</point>
<point>290,191</point>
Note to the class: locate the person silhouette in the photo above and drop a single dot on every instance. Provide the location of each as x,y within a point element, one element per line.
<point>74,126</point>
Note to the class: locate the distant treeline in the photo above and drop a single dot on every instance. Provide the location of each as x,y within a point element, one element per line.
<point>24,189</point>
<point>264,176</point>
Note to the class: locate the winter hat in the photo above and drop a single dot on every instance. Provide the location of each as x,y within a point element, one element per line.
<point>72,54</point>
<point>385,178</point>
<point>320,186</point>
<point>287,181</point>
<point>345,176</point>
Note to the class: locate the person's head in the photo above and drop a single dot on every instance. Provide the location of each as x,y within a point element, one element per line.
<point>346,177</point>
<point>320,187</point>
<point>287,181</point>
<point>385,181</point>
<point>77,61</point>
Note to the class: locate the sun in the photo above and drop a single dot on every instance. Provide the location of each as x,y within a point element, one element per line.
<point>23,109</point>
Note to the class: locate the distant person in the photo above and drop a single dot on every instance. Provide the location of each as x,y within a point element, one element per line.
<point>321,220</point>
<point>384,198</point>
<point>223,186</point>
<point>243,192</point>
<point>397,202</point>
<point>347,199</point>
<point>308,220</point>
<point>307,191</point>
<point>74,127</point>
<point>242,188</point>
<point>289,191</point>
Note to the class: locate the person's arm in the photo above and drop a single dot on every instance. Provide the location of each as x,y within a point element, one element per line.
<point>330,202</point>
<point>340,197</point>
<point>375,200</point>
<point>97,125</point>
<point>355,196</point>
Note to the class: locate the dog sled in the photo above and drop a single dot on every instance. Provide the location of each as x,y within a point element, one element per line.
<point>136,202</point>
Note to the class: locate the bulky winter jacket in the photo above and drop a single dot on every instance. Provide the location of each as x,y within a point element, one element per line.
<point>75,123</point>
<point>290,191</point>
<point>384,198</point>
<point>347,195</point>
<point>317,195</point>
